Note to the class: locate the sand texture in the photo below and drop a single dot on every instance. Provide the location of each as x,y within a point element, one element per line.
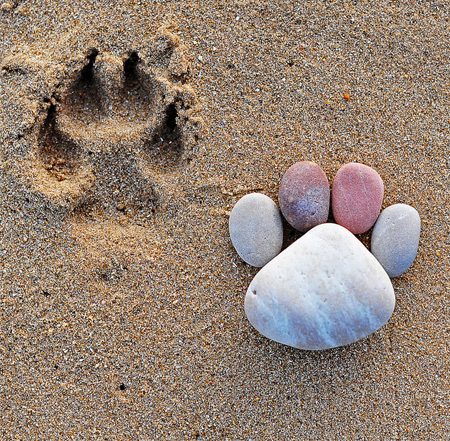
<point>128,130</point>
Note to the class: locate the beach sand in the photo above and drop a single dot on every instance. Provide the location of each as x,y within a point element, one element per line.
<point>128,131</point>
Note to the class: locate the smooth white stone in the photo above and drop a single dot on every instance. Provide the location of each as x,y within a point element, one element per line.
<point>395,238</point>
<point>256,229</point>
<point>325,290</point>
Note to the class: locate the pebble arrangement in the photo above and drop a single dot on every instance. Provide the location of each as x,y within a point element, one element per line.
<point>326,289</point>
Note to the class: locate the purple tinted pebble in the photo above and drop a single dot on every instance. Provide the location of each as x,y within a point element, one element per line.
<point>304,196</point>
<point>356,197</point>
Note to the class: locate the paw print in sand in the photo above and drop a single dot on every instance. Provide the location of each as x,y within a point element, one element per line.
<point>326,289</point>
<point>116,131</point>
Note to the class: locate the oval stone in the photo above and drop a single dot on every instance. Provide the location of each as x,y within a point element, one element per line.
<point>395,238</point>
<point>304,196</point>
<point>325,290</point>
<point>256,229</point>
<point>356,197</point>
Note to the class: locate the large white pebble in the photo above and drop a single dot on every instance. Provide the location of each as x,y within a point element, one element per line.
<point>256,229</point>
<point>395,238</point>
<point>325,290</point>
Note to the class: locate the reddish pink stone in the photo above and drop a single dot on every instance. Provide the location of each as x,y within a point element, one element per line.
<point>356,197</point>
<point>304,195</point>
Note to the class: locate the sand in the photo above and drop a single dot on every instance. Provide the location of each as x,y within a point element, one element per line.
<point>121,297</point>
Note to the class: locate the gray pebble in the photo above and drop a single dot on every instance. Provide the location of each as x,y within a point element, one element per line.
<point>395,238</point>
<point>256,229</point>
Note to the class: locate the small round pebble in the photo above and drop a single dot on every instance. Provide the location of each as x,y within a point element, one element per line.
<point>256,229</point>
<point>304,196</point>
<point>395,238</point>
<point>356,197</point>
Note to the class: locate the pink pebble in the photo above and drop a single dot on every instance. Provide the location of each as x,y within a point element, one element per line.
<point>356,197</point>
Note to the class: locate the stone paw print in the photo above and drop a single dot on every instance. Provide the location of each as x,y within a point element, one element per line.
<point>116,131</point>
<point>326,289</point>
